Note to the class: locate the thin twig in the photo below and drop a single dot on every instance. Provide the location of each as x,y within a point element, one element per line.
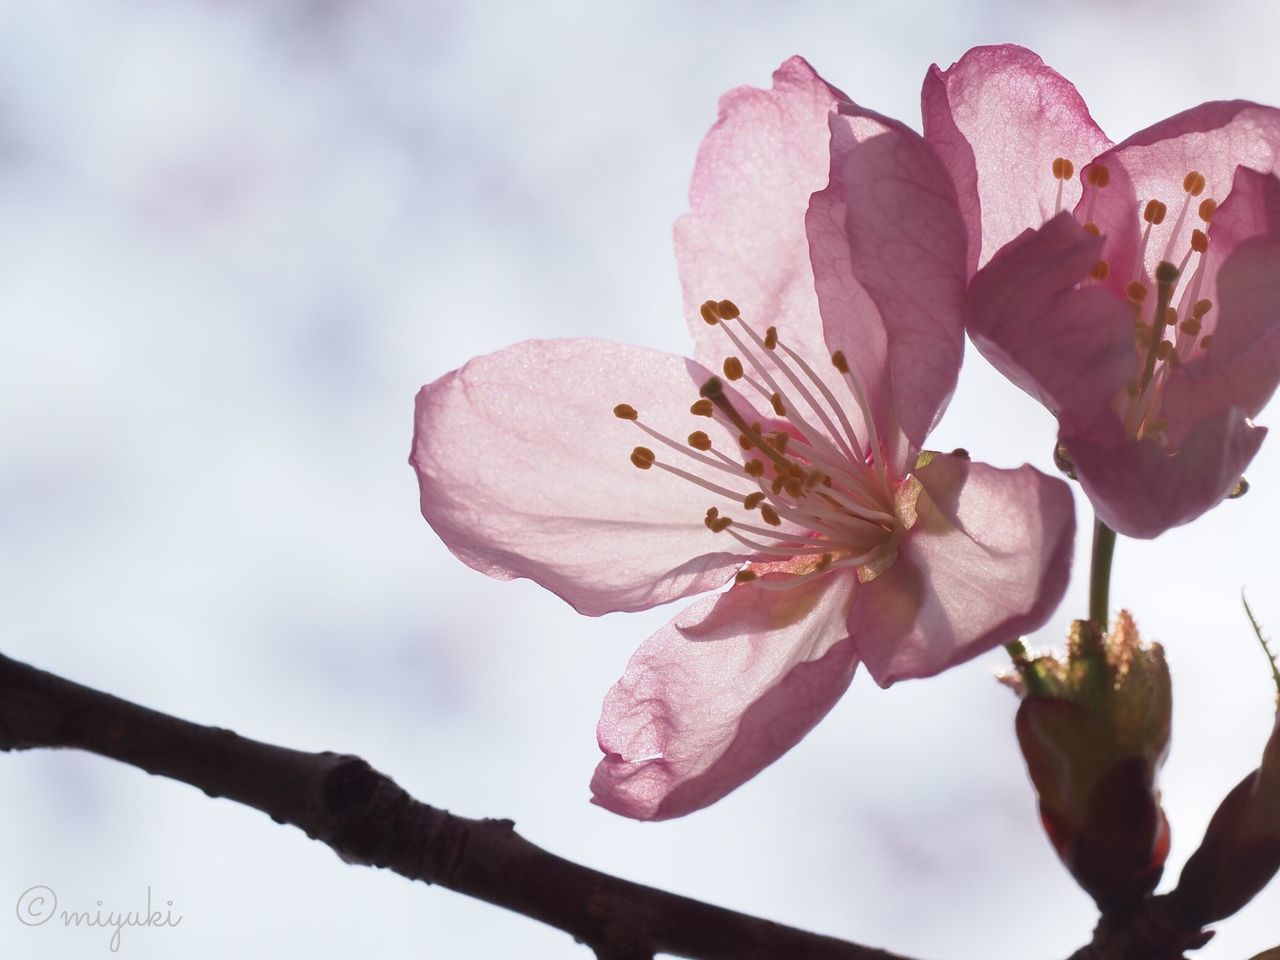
<point>368,819</point>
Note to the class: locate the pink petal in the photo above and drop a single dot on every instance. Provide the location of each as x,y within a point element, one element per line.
<point>525,472</point>
<point>744,238</point>
<point>1069,347</point>
<point>998,118</point>
<point>719,693</point>
<point>1139,490</point>
<point>888,249</point>
<point>1212,139</point>
<point>987,561</point>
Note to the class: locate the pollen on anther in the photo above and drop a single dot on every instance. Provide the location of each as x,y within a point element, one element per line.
<point>753,468</point>
<point>1154,212</point>
<point>1193,183</point>
<point>1201,308</point>
<point>1190,327</point>
<point>771,338</point>
<point>1204,344</point>
<point>794,486</point>
<point>1166,272</point>
<point>1207,208</point>
<point>1093,229</point>
<point>1163,351</point>
<point>733,368</point>
<point>1100,270</point>
<point>823,562</point>
<point>1098,176</point>
<point>728,310</point>
<point>699,440</point>
<point>712,388</point>
<point>1199,242</point>
<point>752,500</point>
<point>1136,292</point>
<point>625,411</point>
<point>780,441</point>
<point>702,408</point>
<point>745,442</point>
<point>643,457</point>
<point>770,516</point>
<point>778,408</point>
<point>839,362</point>
<point>708,311</point>
<point>743,576</point>
<point>1063,168</point>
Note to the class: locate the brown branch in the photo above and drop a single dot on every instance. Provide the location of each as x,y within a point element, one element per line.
<point>368,819</point>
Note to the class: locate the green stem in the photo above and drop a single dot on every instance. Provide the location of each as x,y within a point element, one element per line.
<point>1104,548</point>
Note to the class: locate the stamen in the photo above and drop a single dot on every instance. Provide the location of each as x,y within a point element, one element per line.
<point>1193,184</point>
<point>1097,177</point>
<point>1062,171</point>
<point>643,457</point>
<point>839,361</point>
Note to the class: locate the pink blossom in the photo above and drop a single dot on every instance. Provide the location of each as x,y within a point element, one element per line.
<point>1140,300</point>
<point>795,471</point>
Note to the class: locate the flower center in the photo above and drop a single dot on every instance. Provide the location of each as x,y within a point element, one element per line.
<point>821,491</point>
<point>1168,311</point>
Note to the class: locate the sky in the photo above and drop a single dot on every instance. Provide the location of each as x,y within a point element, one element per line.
<point>236,238</point>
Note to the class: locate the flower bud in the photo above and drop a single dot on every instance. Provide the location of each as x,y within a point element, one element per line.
<point>1240,852</point>
<point>1094,730</point>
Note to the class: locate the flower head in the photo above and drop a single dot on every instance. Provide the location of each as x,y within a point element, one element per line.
<point>1134,289</point>
<point>823,265</point>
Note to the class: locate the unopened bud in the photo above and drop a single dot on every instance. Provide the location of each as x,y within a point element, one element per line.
<point>1094,730</point>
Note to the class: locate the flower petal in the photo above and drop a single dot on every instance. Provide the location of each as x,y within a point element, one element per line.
<point>888,249</point>
<point>987,561</point>
<point>525,472</point>
<point>1141,491</point>
<point>998,118</point>
<point>719,693</point>
<point>744,238</point>
<point>1070,347</point>
<point>1212,139</point>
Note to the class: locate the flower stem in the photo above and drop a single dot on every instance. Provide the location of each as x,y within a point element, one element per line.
<point>1104,548</point>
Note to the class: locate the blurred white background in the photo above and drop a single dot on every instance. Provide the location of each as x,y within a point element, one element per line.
<point>234,240</point>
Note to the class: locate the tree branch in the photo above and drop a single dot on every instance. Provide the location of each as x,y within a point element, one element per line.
<point>368,819</point>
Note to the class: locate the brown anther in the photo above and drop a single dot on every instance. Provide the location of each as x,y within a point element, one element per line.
<point>702,408</point>
<point>1164,350</point>
<point>794,486</point>
<point>961,452</point>
<point>814,478</point>
<point>1239,490</point>
<point>625,411</point>
<point>1207,207</point>
<point>827,481</point>
<point>708,311</point>
<point>721,525</point>
<point>778,408</point>
<point>1190,327</point>
<point>712,513</point>
<point>1062,168</point>
<point>1170,317</point>
<point>780,441</point>
<point>824,561</point>
<point>1201,308</point>
<point>754,468</point>
<point>745,442</point>
<point>1100,270</point>
<point>1136,292</point>
<point>839,362</point>
<point>1166,272</point>
<point>776,486</point>
<point>728,310</point>
<point>1199,242</point>
<point>642,457</point>
<point>1154,212</point>
<point>732,368</point>
<point>743,576</point>
<point>752,500</point>
<point>711,389</point>
<point>699,440</point>
<point>1193,183</point>
<point>1204,344</point>
<point>1098,176</point>
<point>1093,229</point>
<point>770,516</point>
<point>771,338</point>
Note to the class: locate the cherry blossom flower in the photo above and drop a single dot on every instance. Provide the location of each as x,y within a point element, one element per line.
<point>1140,300</point>
<point>621,478</point>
